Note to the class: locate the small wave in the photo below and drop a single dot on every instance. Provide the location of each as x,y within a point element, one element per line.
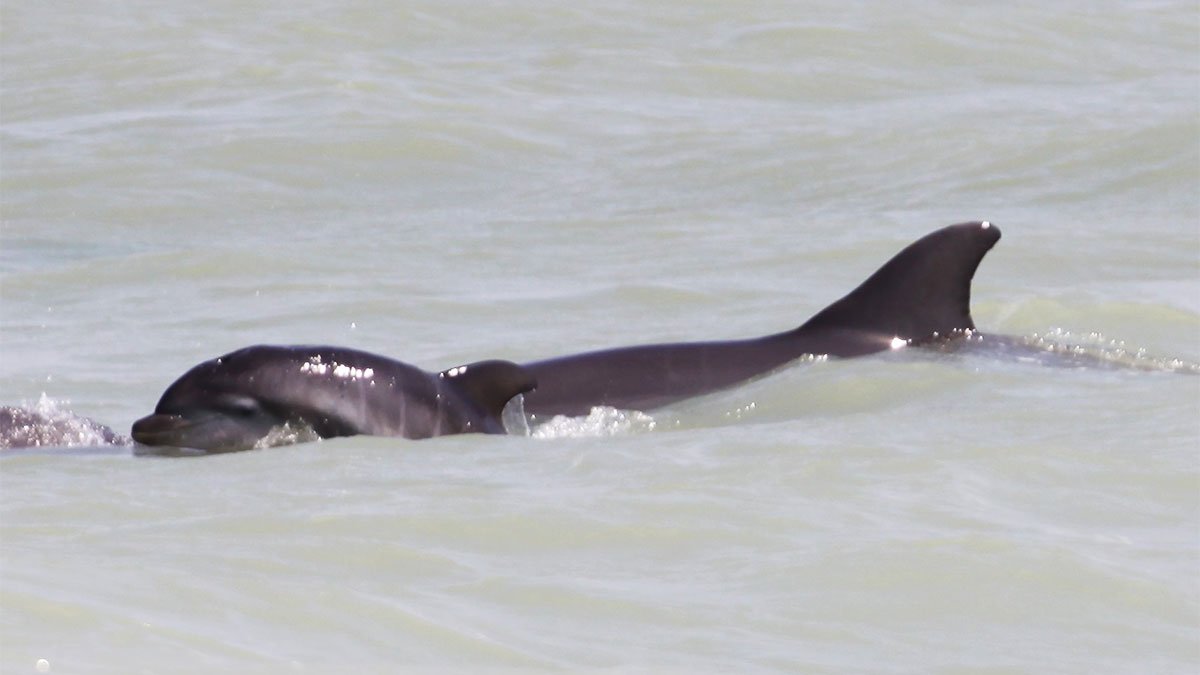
<point>1096,350</point>
<point>1059,348</point>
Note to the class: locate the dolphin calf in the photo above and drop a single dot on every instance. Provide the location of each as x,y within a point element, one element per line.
<point>237,401</point>
<point>921,295</point>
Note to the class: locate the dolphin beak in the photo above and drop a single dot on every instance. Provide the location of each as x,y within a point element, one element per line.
<point>159,429</point>
<point>203,430</point>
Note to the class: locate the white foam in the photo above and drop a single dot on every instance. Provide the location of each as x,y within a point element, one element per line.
<point>63,428</point>
<point>601,421</point>
<point>287,433</point>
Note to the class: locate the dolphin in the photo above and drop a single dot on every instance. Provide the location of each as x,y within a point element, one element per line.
<point>920,296</point>
<point>237,401</point>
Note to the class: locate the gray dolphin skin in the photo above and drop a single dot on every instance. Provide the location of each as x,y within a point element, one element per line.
<point>237,401</point>
<point>921,295</point>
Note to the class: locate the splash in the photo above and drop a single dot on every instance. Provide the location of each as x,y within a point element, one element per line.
<point>48,423</point>
<point>601,421</point>
<point>287,434</point>
<point>513,417</point>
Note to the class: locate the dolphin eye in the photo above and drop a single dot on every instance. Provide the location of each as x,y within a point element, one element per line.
<point>241,406</point>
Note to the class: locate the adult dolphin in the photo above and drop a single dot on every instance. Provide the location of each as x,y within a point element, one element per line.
<point>921,295</point>
<point>238,401</point>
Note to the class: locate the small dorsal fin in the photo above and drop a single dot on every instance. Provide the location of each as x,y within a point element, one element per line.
<point>925,290</point>
<point>490,385</point>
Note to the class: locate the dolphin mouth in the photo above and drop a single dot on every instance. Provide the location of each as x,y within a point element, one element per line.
<point>160,429</point>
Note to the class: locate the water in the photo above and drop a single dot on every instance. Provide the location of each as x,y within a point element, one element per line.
<point>444,182</point>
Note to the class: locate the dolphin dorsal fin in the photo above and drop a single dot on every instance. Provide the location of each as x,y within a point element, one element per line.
<point>490,385</point>
<point>924,290</point>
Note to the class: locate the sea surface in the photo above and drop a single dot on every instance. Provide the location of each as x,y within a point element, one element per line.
<point>448,181</point>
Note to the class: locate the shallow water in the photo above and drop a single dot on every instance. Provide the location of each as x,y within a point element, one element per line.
<point>448,182</point>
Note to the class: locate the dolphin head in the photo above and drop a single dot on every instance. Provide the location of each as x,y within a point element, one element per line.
<point>223,405</point>
<point>224,423</point>
<point>190,415</point>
